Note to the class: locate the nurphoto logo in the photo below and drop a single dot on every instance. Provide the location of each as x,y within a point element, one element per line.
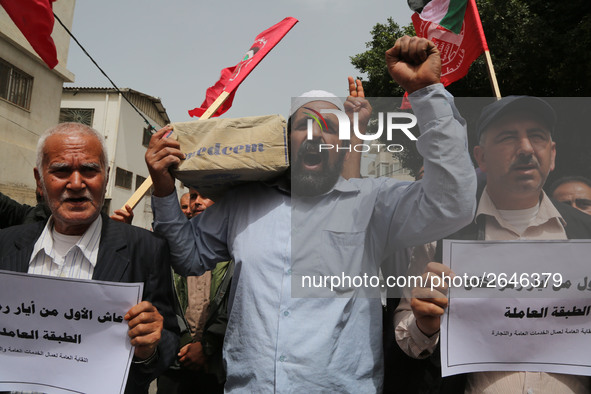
<point>395,121</point>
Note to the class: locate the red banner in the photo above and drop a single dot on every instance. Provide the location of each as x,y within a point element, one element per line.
<point>232,77</point>
<point>34,18</point>
<point>458,51</point>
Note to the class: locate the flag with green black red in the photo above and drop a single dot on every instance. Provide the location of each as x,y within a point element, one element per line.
<point>455,28</point>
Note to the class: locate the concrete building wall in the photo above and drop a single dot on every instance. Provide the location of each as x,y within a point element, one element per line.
<point>20,127</point>
<point>129,156</point>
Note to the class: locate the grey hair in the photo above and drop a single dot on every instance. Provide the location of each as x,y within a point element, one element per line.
<point>66,129</point>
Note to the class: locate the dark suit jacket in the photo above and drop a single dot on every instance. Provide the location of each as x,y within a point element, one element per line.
<point>126,254</point>
<point>13,213</point>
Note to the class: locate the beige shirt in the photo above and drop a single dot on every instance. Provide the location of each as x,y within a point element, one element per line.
<point>547,224</point>
<point>198,288</point>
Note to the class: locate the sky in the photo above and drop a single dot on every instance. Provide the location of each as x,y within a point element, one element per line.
<point>176,49</point>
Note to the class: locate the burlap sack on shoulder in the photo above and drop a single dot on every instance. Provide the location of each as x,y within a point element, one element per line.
<point>222,153</point>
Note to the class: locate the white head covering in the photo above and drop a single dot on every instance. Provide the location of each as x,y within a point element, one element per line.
<point>315,95</point>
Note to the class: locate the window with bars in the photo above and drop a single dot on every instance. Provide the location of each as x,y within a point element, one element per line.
<point>123,178</point>
<point>16,86</point>
<point>78,115</point>
<point>146,137</point>
<point>139,180</point>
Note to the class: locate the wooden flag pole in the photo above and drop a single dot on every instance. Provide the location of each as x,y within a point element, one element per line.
<point>491,75</point>
<point>489,64</point>
<point>144,187</point>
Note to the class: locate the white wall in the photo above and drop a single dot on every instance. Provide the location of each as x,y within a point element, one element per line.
<point>20,128</point>
<point>129,155</point>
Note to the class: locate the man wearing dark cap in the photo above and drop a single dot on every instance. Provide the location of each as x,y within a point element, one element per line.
<point>516,152</point>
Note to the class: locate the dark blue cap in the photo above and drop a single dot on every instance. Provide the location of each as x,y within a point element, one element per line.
<point>512,104</point>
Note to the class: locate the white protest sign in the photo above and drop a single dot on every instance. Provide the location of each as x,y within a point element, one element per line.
<point>64,335</point>
<point>523,306</point>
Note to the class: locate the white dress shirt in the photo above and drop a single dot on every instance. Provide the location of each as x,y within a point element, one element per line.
<point>78,261</point>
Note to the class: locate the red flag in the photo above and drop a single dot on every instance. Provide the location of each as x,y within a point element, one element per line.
<point>458,51</point>
<point>34,18</point>
<point>232,77</point>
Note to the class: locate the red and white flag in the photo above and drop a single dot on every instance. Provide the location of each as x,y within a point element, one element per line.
<point>34,18</point>
<point>458,34</point>
<point>232,77</point>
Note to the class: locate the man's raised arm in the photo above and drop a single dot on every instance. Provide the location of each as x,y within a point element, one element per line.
<point>162,155</point>
<point>444,201</point>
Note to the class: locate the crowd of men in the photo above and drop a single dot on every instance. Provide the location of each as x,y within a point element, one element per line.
<point>240,328</point>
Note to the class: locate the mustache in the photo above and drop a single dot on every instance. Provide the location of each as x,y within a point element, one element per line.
<point>66,195</point>
<point>308,146</point>
<point>529,160</point>
<point>311,146</point>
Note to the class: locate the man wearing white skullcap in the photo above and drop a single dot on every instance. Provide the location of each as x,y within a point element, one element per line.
<point>284,335</point>
<point>314,95</point>
<point>324,166</point>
